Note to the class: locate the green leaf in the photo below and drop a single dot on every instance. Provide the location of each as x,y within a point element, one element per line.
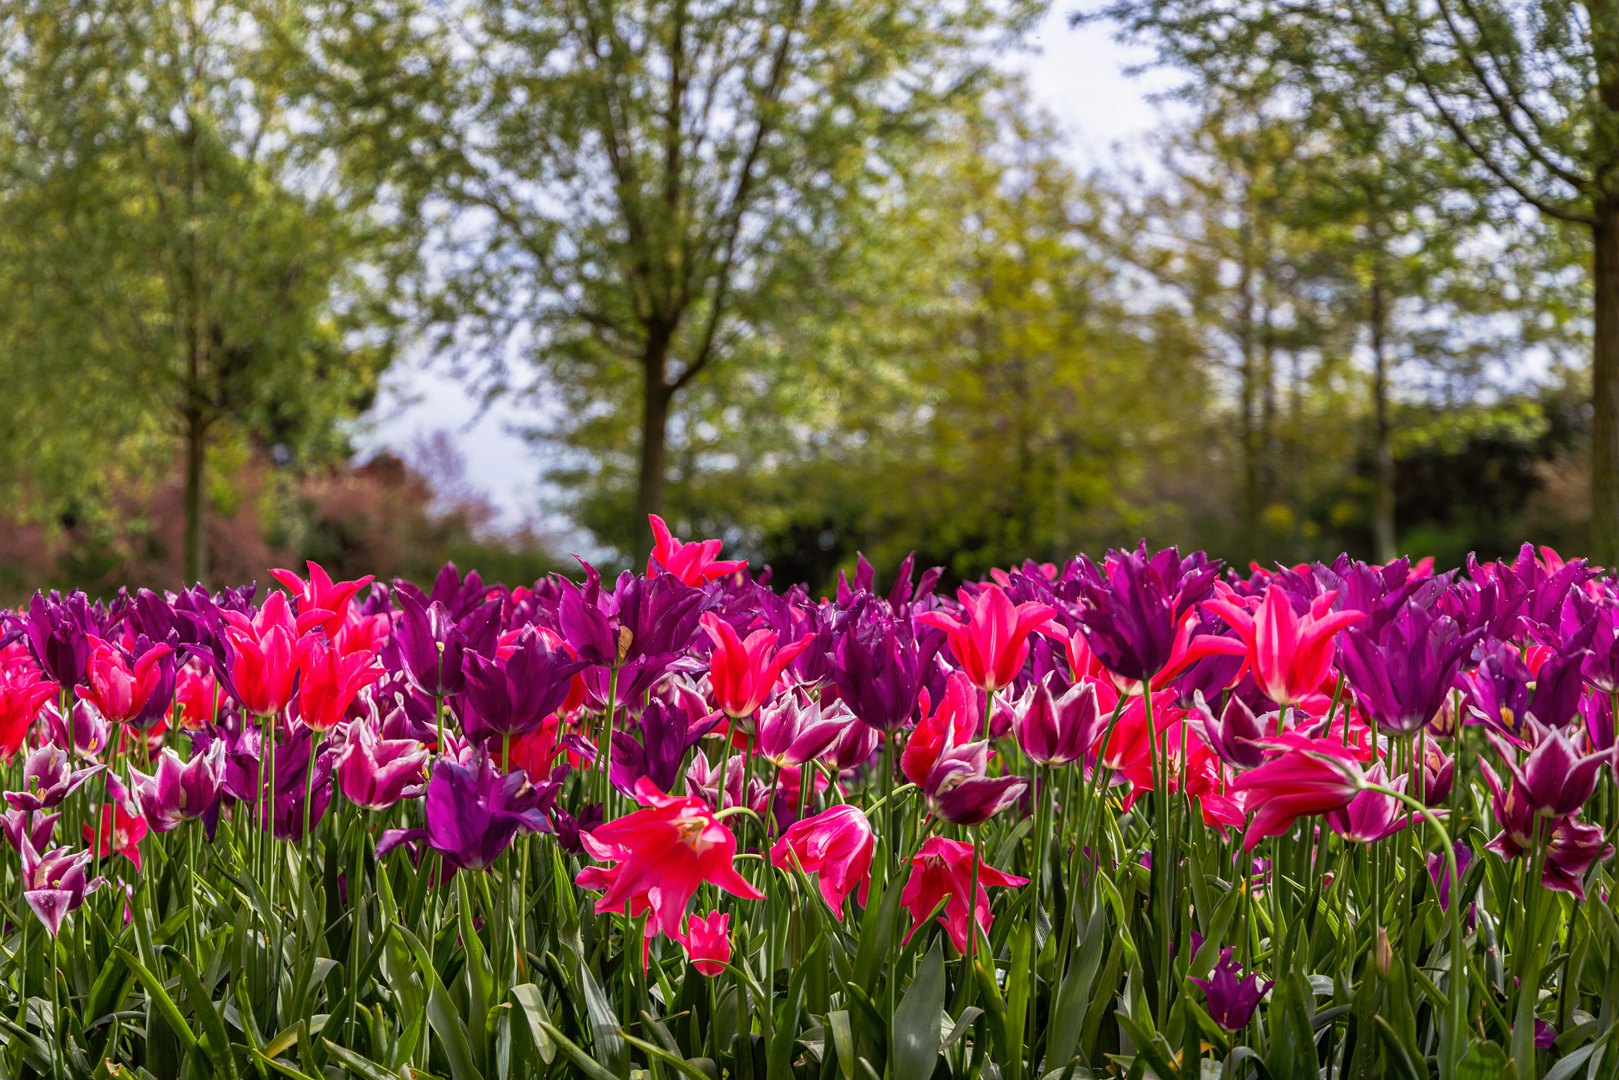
<point>441,1013</point>
<point>842,1041</point>
<point>1017,997</point>
<point>916,1020</point>
<point>610,1049</point>
<point>1574,1062</point>
<point>202,1003</point>
<point>528,999</point>
<point>160,998</point>
<point>876,934</point>
<point>356,1064</point>
<point>1068,1013</point>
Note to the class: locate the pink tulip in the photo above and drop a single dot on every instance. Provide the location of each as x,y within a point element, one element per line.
<point>837,845</point>
<point>119,687</point>
<point>267,649</point>
<point>1291,656</point>
<point>321,593</point>
<point>1309,776</point>
<point>707,942</point>
<point>994,641</point>
<point>943,868</point>
<point>693,563</point>
<point>180,791</point>
<point>375,773</point>
<point>330,680</point>
<point>742,673</point>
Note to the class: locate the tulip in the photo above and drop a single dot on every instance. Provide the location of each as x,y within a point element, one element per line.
<point>120,832</point>
<point>1231,1000</point>
<point>660,855</point>
<point>180,791</point>
<point>1571,850</point>
<point>1309,776</point>
<point>54,884</point>
<point>953,723</point>
<point>1290,656</point>
<point>1440,872</point>
<point>197,692</point>
<point>743,673</point>
<point>691,563</point>
<point>1133,613</point>
<point>837,846</point>
<point>1556,778</point>
<point>58,633</point>
<point>1371,816</point>
<point>473,812</point>
<point>286,816</point>
<point>432,647</point>
<point>667,734</point>
<point>22,693</point>
<point>1504,692</point>
<point>1402,678</point>
<point>374,773</point>
<point>569,828</point>
<point>34,827</point>
<point>794,729</point>
<point>993,642</point>
<point>1053,730</point>
<point>120,685</point>
<point>267,650</point>
<point>854,747</point>
<point>959,791</point>
<point>329,682</point>
<point>514,696</point>
<point>943,869</point>
<point>48,778</point>
<point>321,593</point>
<point>879,666</point>
<point>460,596</point>
<point>1235,736</point>
<point>707,940</point>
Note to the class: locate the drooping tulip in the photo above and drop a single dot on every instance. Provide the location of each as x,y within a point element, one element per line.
<point>693,563</point>
<point>837,846</point>
<point>993,641</point>
<point>48,778</point>
<point>1056,730</point>
<point>55,884</point>
<point>329,682</point>
<point>1231,1000</point>
<point>1290,655</point>
<point>1309,776</point>
<point>473,811</point>
<point>943,870</point>
<point>743,673</point>
<point>180,791</point>
<point>659,855</point>
<point>960,791</point>
<point>374,773</point>
<point>707,939</point>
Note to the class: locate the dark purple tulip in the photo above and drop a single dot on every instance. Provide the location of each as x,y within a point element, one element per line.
<point>473,812</point>
<point>568,827</point>
<point>794,729</point>
<point>1556,778</point>
<point>514,696</point>
<point>1055,730</point>
<point>854,747</point>
<point>1440,873</point>
<point>431,646</point>
<point>1597,624</point>
<point>58,633</point>
<point>1402,676</point>
<point>34,827</point>
<point>1234,738</point>
<point>667,732</point>
<point>880,665</point>
<point>48,778</point>
<point>460,596</point>
<point>1379,592</point>
<point>1133,610</point>
<point>583,621</point>
<point>291,781</point>
<point>1506,694</point>
<point>1231,1000</point>
<point>959,791</point>
<point>1570,852</point>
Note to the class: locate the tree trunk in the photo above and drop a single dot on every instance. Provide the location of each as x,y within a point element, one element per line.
<point>1383,509</point>
<point>654,432</point>
<point>1605,388</point>
<point>196,546</point>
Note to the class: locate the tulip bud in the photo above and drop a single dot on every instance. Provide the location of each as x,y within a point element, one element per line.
<point>1382,952</point>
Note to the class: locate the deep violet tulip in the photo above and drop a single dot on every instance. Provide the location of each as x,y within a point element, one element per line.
<point>854,747</point>
<point>1231,1000</point>
<point>795,729</point>
<point>1291,655</point>
<point>659,856</point>
<point>58,632</point>
<point>1505,693</point>
<point>374,773</point>
<point>55,884</point>
<point>460,595</point>
<point>1557,777</point>
<point>473,812</point>
<point>1057,730</point>
<point>959,791</point>
<point>1309,776</point>
<point>48,778</point>
<point>1135,608</point>
<point>514,696</point>
<point>667,733</point>
<point>692,563</point>
<point>431,645</point>
<point>837,846</point>
<point>879,665</point>
<point>321,593</point>
<point>707,940</point>
<point>1234,737</point>
<point>943,869</point>
<point>568,828</point>
<point>1402,677</point>
<point>992,641</point>
<point>1440,873</point>
<point>286,818</point>
<point>180,791</point>
<point>743,673</point>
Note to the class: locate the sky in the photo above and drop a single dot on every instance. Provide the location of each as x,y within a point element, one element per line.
<point>1076,75</point>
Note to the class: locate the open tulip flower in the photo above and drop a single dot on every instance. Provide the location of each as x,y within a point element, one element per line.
<point>937,832</point>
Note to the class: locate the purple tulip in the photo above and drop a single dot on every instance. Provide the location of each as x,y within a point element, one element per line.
<point>514,696</point>
<point>854,747</point>
<point>880,665</point>
<point>181,791</point>
<point>1505,694</point>
<point>1234,738</point>
<point>1133,610</point>
<point>460,596</point>
<point>86,737</point>
<point>1231,1000</point>
<point>374,772</point>
<point>667,732</point>
<point>1440,873</point>
<point>584,621</point>
<point>1571,850</point>
<point>292,767</point>
<point>473,812</point>
<point>54,884</point>
<point>1057,730</point>
<point>1401,676</point>
<point>33,826</point>
<point>58,633</point>
<point>1371,816</point>
<point>959,790</point>
<point>568,827</point>
<point>794,729</point>
<point>1556,778</point>
<point>430,645</point>
<point>48,778</point>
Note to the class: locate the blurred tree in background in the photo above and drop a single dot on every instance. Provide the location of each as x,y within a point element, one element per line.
<point>813,277</point>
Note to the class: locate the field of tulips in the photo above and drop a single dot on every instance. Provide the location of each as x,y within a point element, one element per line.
<point>1146,817</point>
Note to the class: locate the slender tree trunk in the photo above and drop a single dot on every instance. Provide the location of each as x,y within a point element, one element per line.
<point>1249,391</point>
<point>654,447</point>
<point>1605,388</point>
<point>1383,510</point>
<point>196,546</point>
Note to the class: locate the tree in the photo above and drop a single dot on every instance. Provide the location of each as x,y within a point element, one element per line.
<point>179,237</point>
<point>1529,93</point>
<point>630,187</point>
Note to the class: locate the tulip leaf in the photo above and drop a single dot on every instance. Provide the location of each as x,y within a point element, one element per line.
<point>1398,1056</point>
<point>1150,1048</point>
<point>160,998</point>
<point>916,1019</point>
<point>441,1014</point>
<point>279,1066</point>
<point>609,1048</point>
<point>1074,994</point>
<point>842,1042</point>
<point>1018,989</point>
<point>583,1061</point>
<point>1291,1054</point>
<point>674,1061</point>
<point>1204,959</point>
<point>779,1060</point>
<point>528,999</point>
<point>876,934</point>
<point>202,1003</point>
<point>360,1066</point>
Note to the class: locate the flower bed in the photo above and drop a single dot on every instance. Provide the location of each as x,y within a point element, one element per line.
<point>1141,818</point>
